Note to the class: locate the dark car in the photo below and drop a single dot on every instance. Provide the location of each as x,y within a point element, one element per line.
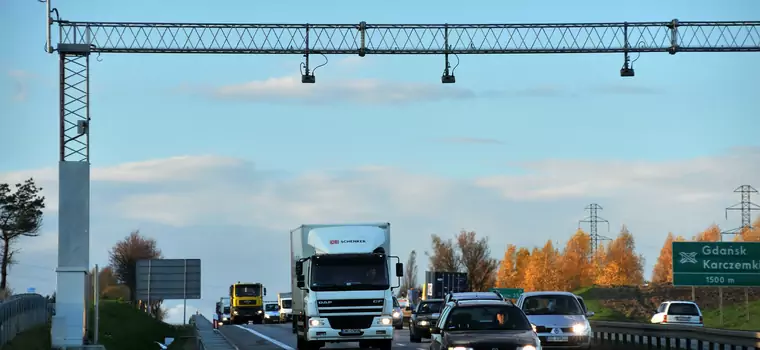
<point>424,316</point>
<point>483,324</point>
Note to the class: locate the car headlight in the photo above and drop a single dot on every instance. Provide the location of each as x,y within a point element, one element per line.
<point>224,319</point>
<point>385,321</point>
<point>423,323</point>
<point>259,312</point>
<point>396,314</point>
<point>266,316</point>
<point>527,347</point>
<point>579,328</point>
<point>315,322</point>
<point>459,348</point>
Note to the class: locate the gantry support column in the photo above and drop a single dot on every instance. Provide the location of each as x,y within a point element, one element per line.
<point>68,327</point>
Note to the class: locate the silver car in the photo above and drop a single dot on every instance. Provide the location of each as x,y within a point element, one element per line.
<point>558,318</point>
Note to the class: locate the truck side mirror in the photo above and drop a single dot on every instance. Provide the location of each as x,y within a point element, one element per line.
<point>300,283</point>
<point>265,291</point>
<point>299,268</point>
<point>399,269</point>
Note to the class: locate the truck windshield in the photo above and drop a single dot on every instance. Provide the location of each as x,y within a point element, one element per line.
<point>271,307</point>
<point>349,272</point>
<point>248,290</point>
<point>286,303</point>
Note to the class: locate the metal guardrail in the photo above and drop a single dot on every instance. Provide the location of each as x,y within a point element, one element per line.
<point>198,340</point>
<point>22,312</point>
<point>656,336</point>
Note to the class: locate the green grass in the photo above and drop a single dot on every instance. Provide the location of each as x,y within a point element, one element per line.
<point>122,327</point>
<point>734,316</point>
<point>33,339</point>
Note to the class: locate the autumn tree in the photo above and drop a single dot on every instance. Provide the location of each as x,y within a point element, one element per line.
<point>124,255</point>
<point>750,234</point>
<point>475,257</point>
<point>622,265</point>
<point>663,268</point>
<point>576,262</point>
<point>507,275</point>
<point>410,275</point>
<point>522,260</point>
<point>444,256</point>
<point>711,234</point>
<point>532,275</point>
<point>20,216</point>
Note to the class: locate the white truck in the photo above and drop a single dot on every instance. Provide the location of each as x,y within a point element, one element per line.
<point>342,289</point>
<point>285,300</point>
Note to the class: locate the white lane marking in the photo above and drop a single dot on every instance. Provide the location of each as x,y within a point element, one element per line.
<point>421,349</point>
<point>400,344</point>
<point>273,341</point>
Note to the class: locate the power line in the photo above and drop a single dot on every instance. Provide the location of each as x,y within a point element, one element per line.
<point>745,206</point>
<point>593,220</point>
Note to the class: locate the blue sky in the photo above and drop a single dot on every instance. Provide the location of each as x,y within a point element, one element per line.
<point>690,110</point>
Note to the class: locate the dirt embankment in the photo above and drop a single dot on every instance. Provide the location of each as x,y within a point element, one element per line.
<point>639,302</point>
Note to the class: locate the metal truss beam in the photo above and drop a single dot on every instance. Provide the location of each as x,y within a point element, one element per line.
<point>420,39</point>
<point>74,102</point>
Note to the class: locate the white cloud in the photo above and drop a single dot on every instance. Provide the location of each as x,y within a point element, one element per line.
<point>236,218</point>
<point>176,315</point>
<point>21,80</point>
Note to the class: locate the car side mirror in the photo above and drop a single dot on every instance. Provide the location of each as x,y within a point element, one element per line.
<point>589,313</point>
<point>435,330</point>
<point>399,270</point>
<point>413,312</point>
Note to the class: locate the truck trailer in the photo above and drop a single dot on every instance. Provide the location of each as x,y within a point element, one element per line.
<point>342,290</point>
<point>439,283</point>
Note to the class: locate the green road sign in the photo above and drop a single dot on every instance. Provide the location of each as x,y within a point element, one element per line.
<point>727,264</point>
<point>509,293</point>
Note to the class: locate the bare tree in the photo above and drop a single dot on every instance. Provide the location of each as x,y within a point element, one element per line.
<point>410,275</point>
<point>124,255</point>
<point>444,257</point>
<point>477,261</point>
<point>20,216</point>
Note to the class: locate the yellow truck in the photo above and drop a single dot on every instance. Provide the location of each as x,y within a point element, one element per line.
<point>246,301</point>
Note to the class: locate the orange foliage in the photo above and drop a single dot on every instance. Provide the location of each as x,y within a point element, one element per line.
<point>663,268</point>
<point>507,275</point>
<point>576,262</point>
<point>711,234</point>
<point>750,235</point>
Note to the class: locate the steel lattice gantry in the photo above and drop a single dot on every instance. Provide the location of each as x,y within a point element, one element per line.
<point>77,40</point>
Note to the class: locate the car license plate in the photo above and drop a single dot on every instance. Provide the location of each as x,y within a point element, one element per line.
<point>350,331</point>
<point>557,339</point>
<point>683,318</point>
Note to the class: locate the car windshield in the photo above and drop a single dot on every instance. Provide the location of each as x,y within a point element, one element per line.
<point>286,303</point>
<point>248,290</point>
<point>272,307</point>
<point>683,309</point>
<point>430,307</point>
<point>583,305</point>
<point>552,305</point>
<point>367,272</point>
<point>487,317</point>
<point>226,310</point>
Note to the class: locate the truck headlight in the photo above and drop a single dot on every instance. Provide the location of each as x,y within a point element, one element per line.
<point>235,312</point>
<point>579,328</point>
<point>385,321</point>
<point>396,314</point>
<point>224,319</point>
<point>315,322</point>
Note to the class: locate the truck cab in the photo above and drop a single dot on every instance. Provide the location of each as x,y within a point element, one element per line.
<point>342,285</point>
<point>246,303</point>
<point>285,301</point>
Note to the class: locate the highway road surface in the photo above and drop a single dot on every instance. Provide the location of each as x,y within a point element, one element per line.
<point>280,337</point>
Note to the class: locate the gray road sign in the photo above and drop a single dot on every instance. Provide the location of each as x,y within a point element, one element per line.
<point>168,279</point>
